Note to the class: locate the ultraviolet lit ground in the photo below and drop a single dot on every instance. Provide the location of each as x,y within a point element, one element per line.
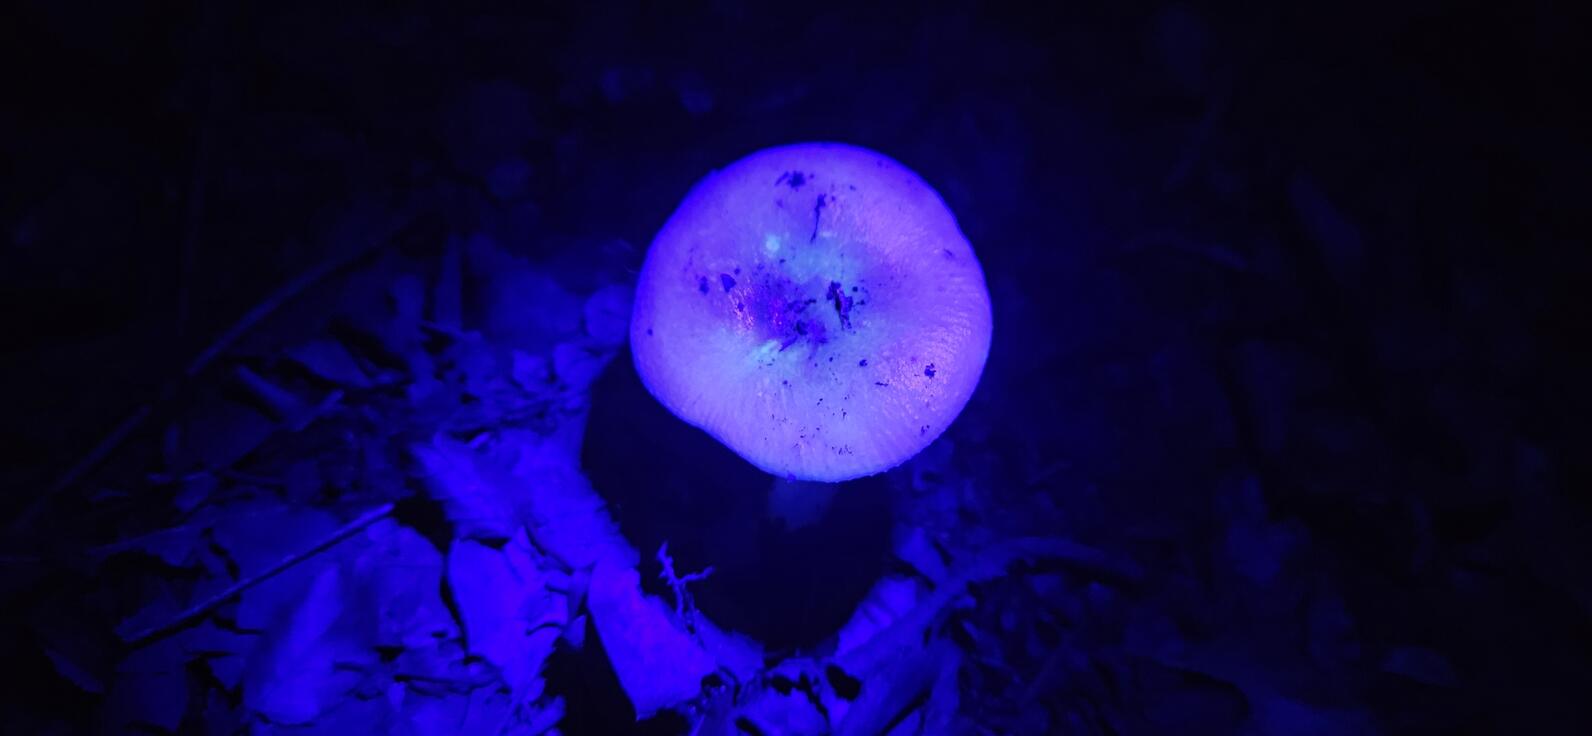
<point>1276,435</point>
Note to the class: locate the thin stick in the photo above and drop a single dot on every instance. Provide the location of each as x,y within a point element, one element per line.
<point>84,465</point>
<point>277,298</point>
<point>209,604</point>
<point>216,348</point>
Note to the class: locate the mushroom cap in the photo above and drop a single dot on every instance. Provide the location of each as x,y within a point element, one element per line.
<point>815,308</point>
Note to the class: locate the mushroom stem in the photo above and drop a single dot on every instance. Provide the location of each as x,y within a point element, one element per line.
<point>799,503</point>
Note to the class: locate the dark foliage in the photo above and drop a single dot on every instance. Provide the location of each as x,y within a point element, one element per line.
<point>300,299</point>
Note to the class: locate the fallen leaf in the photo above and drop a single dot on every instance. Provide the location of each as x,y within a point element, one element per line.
<point>658,663</point>
<point>578,366</point>
<point>328,359</point>
<point>473,493</point>
<point>311,658</point>
<point>607,313</point>
<point>568,518</point>
<point>151,689</point>
<point>400,574</point>
<point>225,652</point>
<point>888,601</point>
<point>216,434</point>
<point>510,617</point>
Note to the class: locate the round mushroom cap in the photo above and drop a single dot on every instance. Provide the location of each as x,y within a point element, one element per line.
<point>815,308</point>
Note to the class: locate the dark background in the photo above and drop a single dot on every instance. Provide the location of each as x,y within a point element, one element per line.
<point>1273,286</point>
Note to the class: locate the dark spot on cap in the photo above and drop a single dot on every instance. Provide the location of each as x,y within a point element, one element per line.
<point>949,256</point>
<point>880,383</point>
<point>842,303</point>
<point>649,332</point>
<point>928,370</point>
<point>793,179</point>
<point>727,281</point>
<point>702,284</point>
<point>860,363</point>
<point>923,430</point>
<point>818,210</point>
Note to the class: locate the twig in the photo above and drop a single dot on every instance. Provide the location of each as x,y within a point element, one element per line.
<point>136,542</point>
<point>200,609</point>
<point>279,297</point>
<point>217,347</point>
<point>684,606</point>
<point>84,465</point>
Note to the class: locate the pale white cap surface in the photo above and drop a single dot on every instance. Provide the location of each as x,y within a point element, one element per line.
<point>814,307</point>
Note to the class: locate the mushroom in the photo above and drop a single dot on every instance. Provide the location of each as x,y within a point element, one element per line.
<point>816,309</point>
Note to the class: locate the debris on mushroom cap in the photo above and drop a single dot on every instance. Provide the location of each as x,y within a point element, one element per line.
<point>849,325</point>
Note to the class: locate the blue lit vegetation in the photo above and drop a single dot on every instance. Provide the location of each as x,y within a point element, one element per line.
<point>341,394</point>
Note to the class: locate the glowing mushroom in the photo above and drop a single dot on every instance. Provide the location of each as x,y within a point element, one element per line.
<point>815,308</point>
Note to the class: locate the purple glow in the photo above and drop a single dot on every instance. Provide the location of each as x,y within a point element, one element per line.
<point>846,260</point>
